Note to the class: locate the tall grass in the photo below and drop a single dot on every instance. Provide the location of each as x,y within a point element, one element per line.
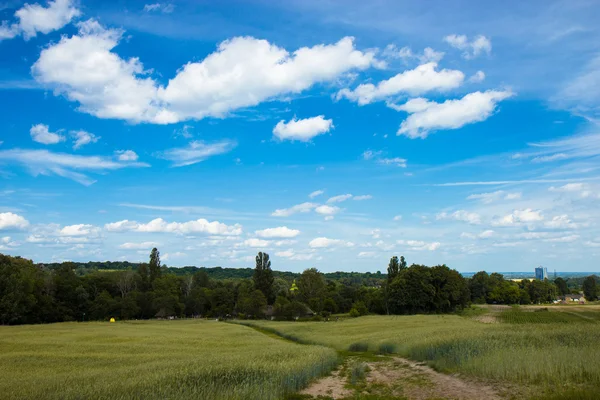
<point>153,360</point>
<point>554,356</point>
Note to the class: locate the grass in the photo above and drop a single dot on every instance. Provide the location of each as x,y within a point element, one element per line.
<point>529,349</point>
<point>153,360</point>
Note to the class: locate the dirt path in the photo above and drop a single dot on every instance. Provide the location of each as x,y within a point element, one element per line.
<point>399,377</point>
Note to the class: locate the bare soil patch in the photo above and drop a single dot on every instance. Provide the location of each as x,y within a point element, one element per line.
<point>399,377</point>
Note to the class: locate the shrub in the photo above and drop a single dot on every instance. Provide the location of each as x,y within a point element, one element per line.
<point>358,347</point>
<point>386,348</point>
<point>358,372</point>
<point>354,313</point>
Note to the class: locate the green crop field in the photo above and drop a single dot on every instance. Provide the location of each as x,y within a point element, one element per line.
<point>153,360</point>
<point>555,354</point>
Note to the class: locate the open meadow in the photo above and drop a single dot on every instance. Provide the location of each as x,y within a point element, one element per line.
<point>153,360</point>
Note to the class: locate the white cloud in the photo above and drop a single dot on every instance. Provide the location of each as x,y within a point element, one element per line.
<point>340,198</point>
<point>417,81</point>
<point>196,152</point>
<point>138,246</point>
<point>461,215</point>
<point>398,218</point>
<point>292,255</point>
<point>242,72</point>
<point>300,208</point>
<point>40,133</point>
<point>366,254</point>
<point>397,161</point>
<point>486,234</point>
<point>327,210</point>
<point>9,220</point>
<point>166,8</point>
<point>362,197</point>
<point>563,239</point>
<point>316,193</point>
<point>471,49</point>
<point>370,154</point>
<point>285,242</point>
<point>82,138</point>
<point>405,53</point>
<point>45,162</point>
<point>302,129</point>
<point>34,19</point>
<point>79,230</point>
<point>323,242</point>
<point>584,190</point>
<point>253,242</point>
<point>279,232</point>
<point>550,158</point>
<point>159,225</point>
<point>560,222</point>
<point>427,116</point>
<point>487,198</point>
<point>126,155</point>
<point>419,245</point>
<point>477,77</point>
<point>518,217</point>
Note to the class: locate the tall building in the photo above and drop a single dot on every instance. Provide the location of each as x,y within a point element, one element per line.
<point>541,273</point>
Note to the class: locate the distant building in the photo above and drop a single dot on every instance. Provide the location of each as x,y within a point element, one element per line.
<point>541,273</point>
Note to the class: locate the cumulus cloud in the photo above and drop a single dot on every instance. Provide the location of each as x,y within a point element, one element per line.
<point>79,230</point>
<point>34,19</point>
<point>138,246</point>
<point>560,222</point>
<point>292,255</point>
<point>279,232</point>
<point>302,129</point>
<point>460,215</point>
<point>427,116</point>
<point>254,243</point>
<point>327,210</point>
<point>44,162</point>
<point>414,82</point>
<point>299,208</point>
<point>242,72</point>
<point>419,245</point>
<point>81,138</point>
<point>126,155</point>
<point>518,217</point>
<point>159,225</point>
<point>10,220</point>
<point>41,133</point>
<point>323,242</point>
<point>477,77</point>
<point>471,49</point>
<point>362,197</point>
<point>405,53</point>
<point>196,152</point>
<point>339,199</point>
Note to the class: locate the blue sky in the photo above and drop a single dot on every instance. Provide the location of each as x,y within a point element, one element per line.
<point>329,134</point>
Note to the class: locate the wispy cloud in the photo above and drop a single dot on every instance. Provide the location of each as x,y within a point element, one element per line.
<point>196,152</point>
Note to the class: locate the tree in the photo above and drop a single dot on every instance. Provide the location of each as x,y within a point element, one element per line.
<point>263,276</point>
<point>18,283</point>
<point>590,288</point>
<point>393,269</point>
<point>311,286</point>
<point>126,283</point>
<point>154,265</point>
<point>562,287</point>
<point>402,263</point>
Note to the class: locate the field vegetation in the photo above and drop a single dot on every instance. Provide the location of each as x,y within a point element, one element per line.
<point>536,351</point>
<point>153,360</point>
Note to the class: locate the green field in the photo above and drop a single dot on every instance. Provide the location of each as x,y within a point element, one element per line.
<point>547,354</point>
<point>153,360</point>
<point>552,358</point>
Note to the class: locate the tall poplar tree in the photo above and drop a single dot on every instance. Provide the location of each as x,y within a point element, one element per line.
<point>263,276</point>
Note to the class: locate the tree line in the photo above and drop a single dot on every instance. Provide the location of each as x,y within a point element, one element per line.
<point>33,293</point>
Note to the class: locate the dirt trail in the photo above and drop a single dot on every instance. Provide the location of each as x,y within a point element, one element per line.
<point>403,378</point>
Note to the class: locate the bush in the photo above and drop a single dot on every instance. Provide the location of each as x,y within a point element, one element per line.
<point>359,308</point>
<point>358,347</point>
<point>358,372</point>
<point>386,348</point>
<point>354,313</point>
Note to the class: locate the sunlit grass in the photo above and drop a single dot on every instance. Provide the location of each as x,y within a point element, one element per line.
<point>546,352</point>
<point>153,360</point>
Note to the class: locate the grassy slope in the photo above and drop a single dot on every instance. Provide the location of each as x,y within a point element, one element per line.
<point>153,360</point>
<point>562,359</point>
